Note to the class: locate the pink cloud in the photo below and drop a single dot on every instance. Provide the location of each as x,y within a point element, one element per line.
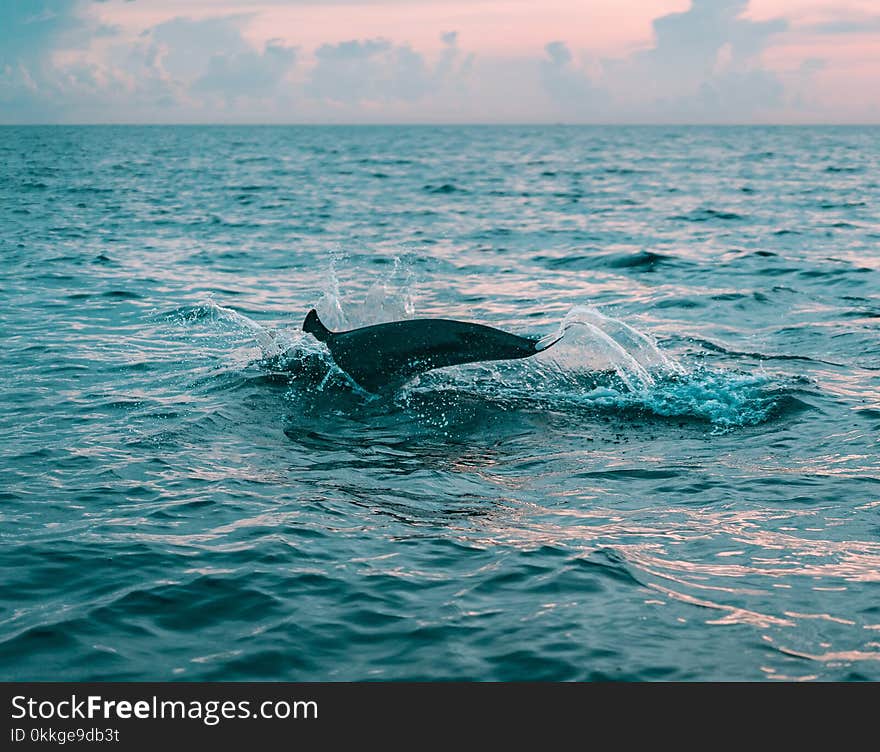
<point>455,60</point>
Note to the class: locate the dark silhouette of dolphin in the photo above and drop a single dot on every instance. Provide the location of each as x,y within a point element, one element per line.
<point>386,355</point>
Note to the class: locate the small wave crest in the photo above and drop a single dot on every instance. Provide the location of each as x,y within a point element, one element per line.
<point>726,400</point>
<point>271,342</point>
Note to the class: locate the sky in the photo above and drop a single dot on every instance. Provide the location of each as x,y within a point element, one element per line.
<point>440,61</point>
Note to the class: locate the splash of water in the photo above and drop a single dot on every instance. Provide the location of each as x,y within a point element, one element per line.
<point>330,302</point>
<point>272,342</point>
<point>602,363</point>
<point>726,400</point>
<point>389,298</point>
<point>599,363</point>
<point>590,340</point>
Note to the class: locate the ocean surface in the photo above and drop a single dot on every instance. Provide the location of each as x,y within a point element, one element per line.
<point>685,487</point>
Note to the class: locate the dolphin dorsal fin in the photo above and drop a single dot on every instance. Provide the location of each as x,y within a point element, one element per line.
<point>312,325</point>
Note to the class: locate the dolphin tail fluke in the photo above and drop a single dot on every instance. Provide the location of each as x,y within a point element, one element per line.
<point>312,325</point>
<point>545,343</point>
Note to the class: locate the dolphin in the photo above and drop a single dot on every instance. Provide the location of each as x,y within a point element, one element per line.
<point>383,356</point>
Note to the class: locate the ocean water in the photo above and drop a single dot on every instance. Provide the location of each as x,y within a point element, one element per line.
<point>685,487</point>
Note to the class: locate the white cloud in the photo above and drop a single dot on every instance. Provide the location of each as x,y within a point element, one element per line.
<point>570,86</point>
<point>705,64</point>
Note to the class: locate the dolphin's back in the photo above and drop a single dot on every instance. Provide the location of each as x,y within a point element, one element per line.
<point>389,354</point>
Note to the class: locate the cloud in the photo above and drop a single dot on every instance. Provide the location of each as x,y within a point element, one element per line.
<point>211,57</point>
<point>59,63</point>
<point>247,74</point>
<point>861,23</point>
<point>187,46</point>
<point>705,66</point>
<point>29,32</point>
<point>569,85</point>
<point>377,70</point>
<point>800,84</point>
<point>180,69</point>
<point>377,80</point>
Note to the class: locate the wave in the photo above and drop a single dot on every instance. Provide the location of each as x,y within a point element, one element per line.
<point>708,214</point>
<point>443,188</point>
<point>637,260</point>
<point>718,398</point>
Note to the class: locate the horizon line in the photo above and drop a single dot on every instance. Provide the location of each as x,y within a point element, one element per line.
<point>451,124</point>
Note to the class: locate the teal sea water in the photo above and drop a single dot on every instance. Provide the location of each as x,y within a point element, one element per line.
<point>686,487</point>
